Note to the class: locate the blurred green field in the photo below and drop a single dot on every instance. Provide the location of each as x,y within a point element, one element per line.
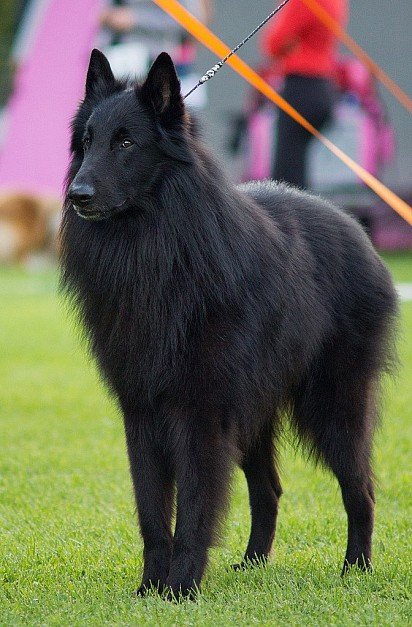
<point>400,264</point>
<point>70,552</point>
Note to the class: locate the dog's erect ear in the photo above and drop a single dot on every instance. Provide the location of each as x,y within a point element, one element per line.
<point>161,88</point>
<point>99,74</point>
<point>161,92</point>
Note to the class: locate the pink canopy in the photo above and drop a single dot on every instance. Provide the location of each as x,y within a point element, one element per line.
<point>48,86</point>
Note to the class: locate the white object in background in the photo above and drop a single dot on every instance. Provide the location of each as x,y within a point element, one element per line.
<point>128,59</point>
<point>198,99</point>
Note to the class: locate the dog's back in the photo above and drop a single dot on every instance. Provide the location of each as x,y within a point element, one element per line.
<point>336,284</point>
<point>347,270</point>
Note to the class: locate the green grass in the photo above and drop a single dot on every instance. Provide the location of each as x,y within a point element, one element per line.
<point>70,553</point>
<point>400,264</point>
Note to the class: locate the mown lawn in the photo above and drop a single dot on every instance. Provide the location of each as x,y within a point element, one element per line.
<point>70,553</point>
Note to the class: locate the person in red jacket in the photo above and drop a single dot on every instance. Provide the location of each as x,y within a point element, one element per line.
<point>305,54</point>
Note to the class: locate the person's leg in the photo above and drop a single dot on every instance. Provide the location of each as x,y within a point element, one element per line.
<point>290,155</point>
<point>313,98</point>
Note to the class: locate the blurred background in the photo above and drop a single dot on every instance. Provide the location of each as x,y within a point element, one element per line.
<point>44,50</point>
<point>382,29</point>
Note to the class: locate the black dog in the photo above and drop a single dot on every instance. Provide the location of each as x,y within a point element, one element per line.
<point>212,311</point>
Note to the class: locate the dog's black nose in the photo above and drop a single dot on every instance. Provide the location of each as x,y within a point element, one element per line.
<point>81,194</point>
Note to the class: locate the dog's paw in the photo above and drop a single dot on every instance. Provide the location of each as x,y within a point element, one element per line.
<point>239,566</point>
<point>254,562</point>
<point>150,586</point>
<point>362,563</point>
<point>176,593</point>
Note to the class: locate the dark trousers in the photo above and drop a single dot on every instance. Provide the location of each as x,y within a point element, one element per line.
<point>313,98</point>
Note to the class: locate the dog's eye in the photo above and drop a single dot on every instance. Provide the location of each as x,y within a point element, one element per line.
<point>126,143</point>
<point>86,143</point>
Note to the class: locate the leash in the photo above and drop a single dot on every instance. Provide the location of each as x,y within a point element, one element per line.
<point>211,73</point>
<point>205,36</point>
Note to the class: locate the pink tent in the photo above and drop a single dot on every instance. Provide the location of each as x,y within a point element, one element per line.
<point>48,87</point>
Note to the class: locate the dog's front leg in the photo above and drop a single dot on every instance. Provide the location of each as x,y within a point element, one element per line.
<point>153,486</point>
<point>202,475</point>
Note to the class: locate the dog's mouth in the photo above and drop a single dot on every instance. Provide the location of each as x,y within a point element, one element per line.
<point>93,215</point>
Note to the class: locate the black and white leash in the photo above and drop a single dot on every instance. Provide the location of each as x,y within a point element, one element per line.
<point>211,73</point>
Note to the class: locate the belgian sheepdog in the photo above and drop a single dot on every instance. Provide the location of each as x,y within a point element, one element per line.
<point>213,312</point>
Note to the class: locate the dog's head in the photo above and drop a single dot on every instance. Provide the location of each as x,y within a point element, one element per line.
<point>124,138</point>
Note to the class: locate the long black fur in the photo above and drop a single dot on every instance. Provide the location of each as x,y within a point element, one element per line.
<point>213,310</point>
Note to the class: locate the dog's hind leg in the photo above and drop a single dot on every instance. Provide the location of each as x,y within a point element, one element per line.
<point>335,414</point>
<point>154,490</point>
<point>264,493</point>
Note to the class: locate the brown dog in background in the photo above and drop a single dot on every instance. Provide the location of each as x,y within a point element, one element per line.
<point>28,227</point>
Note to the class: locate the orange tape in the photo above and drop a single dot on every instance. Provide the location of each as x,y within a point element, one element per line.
<point>208,39</point>
<point>351,44</point>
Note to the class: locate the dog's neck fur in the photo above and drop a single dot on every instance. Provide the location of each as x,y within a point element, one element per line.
<point>161,266</point>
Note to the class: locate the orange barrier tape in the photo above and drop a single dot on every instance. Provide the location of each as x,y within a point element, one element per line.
<point>209,39</point>
<point>351,44</point>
